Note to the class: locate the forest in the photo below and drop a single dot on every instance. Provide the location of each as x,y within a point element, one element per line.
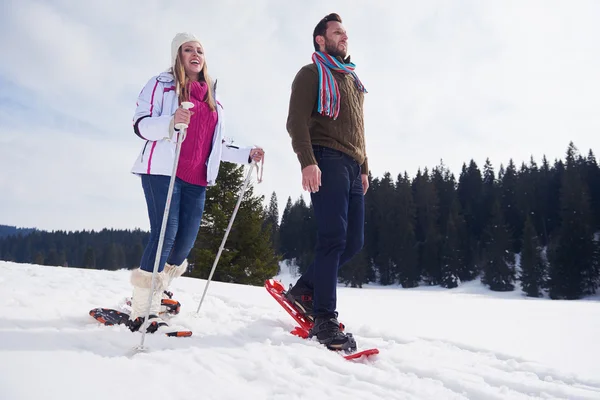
<point>532,226</point>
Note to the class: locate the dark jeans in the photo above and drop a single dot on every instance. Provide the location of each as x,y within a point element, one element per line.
<point>339,211</point>
<point>185,214</point>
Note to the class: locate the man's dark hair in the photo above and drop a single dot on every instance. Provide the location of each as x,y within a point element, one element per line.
<point>321,27</point>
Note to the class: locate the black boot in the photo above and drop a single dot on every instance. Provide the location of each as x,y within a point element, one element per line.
<point>301,296</point>
<point>327,331</point>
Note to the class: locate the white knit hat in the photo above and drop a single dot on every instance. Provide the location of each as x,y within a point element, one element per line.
<point>178,40</point>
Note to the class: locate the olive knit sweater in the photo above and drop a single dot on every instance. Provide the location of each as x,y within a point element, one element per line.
<point>307,127</point>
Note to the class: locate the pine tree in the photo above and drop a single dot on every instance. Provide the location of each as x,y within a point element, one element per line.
<point>592,178</point>
<point>307,234</point>
<point>541,201</point>
<point>387,225</point>
<point>452,254</point>
<point>355,271</point>
<point>109,257</point>
<point>286,237</point>
<point>573,253</point>
<point>445,188</point>
<point>89,258</point>
<point>406,256</point>
<point>248,256</point>
<point>372,230</point>
<point>510,210</point>
<point>470,193</point>
<point>52,259</point>
<point>553,196</point>
<point>272,220</point>
<point>298,233</point>
<point>526,192</point>
<point>470,187</point>
<point>489,191</point>
<point>532,265</point>
<point>426,229</point>
<point>499,260</point>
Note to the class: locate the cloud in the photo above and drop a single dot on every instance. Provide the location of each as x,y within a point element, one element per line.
<point>446,80</point>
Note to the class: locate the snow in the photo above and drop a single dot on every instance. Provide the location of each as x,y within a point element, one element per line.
<point>463,343</point>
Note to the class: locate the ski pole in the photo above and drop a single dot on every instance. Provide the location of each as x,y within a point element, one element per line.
<point>180,138</point>
<point>237,206</point>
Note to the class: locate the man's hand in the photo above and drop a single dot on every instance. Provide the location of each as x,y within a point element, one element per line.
<point>311,178</point>
<point>365,182</point>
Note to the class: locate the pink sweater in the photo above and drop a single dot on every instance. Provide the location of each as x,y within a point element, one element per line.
<point>198,143</point>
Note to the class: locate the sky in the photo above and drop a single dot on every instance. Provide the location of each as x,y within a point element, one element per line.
<point>447,82</point>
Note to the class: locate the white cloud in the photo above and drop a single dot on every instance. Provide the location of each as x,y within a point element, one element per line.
<point>446,80</point>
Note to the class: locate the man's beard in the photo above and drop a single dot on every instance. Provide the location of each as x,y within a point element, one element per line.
<point>333,51</point>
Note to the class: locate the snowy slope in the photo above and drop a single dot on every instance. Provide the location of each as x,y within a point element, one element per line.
<point>465,343</point>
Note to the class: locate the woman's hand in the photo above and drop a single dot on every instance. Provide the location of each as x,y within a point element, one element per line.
<point>257,154</point>
<point>182,116</point>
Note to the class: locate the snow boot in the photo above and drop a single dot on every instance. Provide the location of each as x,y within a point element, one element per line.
<point>171,272</point>
<point>327,331</point>
<point>301,296</point>
<point>142,285</point>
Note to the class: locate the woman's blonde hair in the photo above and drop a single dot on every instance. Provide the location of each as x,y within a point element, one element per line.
<point>182,82</point>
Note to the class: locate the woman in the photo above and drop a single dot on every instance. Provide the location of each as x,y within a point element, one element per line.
<point>158,112</point>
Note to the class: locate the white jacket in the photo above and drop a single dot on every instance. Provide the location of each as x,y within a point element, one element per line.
<point>153,122</point>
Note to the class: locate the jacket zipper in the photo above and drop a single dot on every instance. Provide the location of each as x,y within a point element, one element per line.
<point>144,150</point>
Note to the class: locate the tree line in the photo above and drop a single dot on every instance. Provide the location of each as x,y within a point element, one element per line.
<point>248,256</point>
<point>532,225</point>
<point>106,249</point>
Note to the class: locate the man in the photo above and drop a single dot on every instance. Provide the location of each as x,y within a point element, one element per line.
<point>325,122</point>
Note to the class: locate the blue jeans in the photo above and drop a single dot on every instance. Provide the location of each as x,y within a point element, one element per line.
<point>185,214</point>
<point>339,212</point>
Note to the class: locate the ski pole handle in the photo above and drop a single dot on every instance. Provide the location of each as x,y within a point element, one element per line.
<point>186,105</point>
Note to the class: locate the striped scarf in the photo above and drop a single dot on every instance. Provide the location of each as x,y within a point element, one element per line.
<point>329,93</point>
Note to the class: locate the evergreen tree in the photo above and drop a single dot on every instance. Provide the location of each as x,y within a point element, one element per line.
<point>38,259</point>
<point>532,264</point>
<point>372,230</point>
<point>452,255</point>
<point>541,202</point>
<point>526,192</point>
<point>355,271</point>
<point>53,259</point>
<point>386,221</point>
<point>272,220</point>
<point>470,187</point>
<point>286,232</point>
<point>426,229</point>
<point>307,236</point>
<point>247,257</point>
<point>135,255</point>
<point>489,191</point>
<point>573,254</point>
<point>553,196</point>
<point>109,258</point>
<point>445,188</point>
<point>298,233</point>
<point>406,256</point>
<point>510,210</point>
<point>592,178</point>
<point>499,260</point>
<point>89,258</point>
